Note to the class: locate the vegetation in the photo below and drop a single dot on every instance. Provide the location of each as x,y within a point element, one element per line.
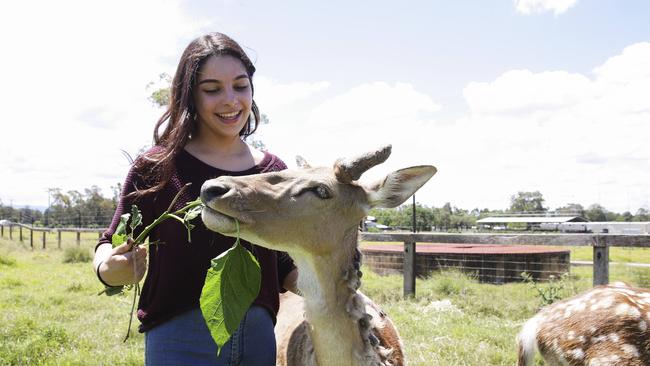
<point>52,314</point>
<point>89,209</point>
<point>76,254</point>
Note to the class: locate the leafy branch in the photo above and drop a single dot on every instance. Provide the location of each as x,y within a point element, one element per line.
<point>127,226</point>
<point>232,283</point>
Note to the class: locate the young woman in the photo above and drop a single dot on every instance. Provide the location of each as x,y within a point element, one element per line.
<point>211,111</point>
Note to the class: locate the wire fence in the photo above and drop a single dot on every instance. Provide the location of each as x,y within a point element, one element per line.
<point>424,254</point>
<point>44,235</point>
<point>510,257</point>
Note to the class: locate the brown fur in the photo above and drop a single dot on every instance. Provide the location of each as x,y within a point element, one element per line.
<point>607,325</point>
<point>293,340</point>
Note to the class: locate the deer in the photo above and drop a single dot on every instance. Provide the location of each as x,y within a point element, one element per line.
<point>606,325</point>
<point>313,214</point>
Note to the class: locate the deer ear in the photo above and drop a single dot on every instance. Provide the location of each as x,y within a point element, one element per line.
<point>302,163</point>
<point>398,186</point>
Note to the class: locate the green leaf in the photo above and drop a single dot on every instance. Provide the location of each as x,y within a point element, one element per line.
<point>119,237</point>
<point>113,290</point>
<point>136,218</point>
<point>190,215</point>
<point>231,285</point>
<point>193,213</point>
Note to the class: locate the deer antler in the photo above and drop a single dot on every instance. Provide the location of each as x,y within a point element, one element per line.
<point>347,171</point>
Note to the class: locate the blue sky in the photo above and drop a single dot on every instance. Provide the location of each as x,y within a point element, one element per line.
<point>502,96</point>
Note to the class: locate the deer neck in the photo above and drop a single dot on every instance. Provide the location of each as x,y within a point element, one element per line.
<point>333,307</point>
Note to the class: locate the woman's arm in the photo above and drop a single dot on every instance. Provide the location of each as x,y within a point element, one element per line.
<point>117,266</point>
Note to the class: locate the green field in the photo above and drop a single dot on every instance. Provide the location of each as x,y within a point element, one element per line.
<point>51,313</point>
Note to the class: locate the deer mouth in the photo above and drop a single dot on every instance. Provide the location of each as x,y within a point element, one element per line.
<point>219,221</point>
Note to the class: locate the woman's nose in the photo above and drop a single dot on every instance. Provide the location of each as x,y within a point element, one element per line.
<point>229,97</point>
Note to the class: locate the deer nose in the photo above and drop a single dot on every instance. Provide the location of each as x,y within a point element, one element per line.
<point>211,190</point>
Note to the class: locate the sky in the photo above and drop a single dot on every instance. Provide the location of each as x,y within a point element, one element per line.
<point>501,96</point>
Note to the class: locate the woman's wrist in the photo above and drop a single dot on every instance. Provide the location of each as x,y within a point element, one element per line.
<point>100,277</point>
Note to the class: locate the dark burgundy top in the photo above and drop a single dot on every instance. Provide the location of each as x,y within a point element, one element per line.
<point>177,268</point>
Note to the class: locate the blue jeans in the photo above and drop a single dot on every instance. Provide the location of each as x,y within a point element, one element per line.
<point>186,340</point>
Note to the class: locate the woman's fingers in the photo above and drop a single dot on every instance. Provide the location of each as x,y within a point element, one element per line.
<point>126,266</point>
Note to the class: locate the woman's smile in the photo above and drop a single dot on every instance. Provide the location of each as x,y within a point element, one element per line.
<point>230,117</point>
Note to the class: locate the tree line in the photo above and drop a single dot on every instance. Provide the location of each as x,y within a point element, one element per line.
<point>91,209</point>
<point>450,218</point>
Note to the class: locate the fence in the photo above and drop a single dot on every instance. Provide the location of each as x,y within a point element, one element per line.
<point>9,227</point>
<point>599,242</point>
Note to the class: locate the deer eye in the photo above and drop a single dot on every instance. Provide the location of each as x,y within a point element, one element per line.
<point>323,192</point>
<point>320,191</point>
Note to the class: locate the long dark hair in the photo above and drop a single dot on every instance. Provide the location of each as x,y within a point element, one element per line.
<point>180,116</point>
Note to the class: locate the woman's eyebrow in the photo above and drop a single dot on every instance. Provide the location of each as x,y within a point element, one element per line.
<point>242,76</point>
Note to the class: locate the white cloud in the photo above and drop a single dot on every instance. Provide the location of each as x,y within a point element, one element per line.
<point>357,120</point>
<point>558,7</point>
<point>574,137</point>
<point>74,89</point>
<point>521,91</point>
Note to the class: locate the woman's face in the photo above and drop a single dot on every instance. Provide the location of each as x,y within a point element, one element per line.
<point>223,97</point>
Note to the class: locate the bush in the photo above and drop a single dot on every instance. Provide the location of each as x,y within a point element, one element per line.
<point>7,261</point>
<point>76,255</point>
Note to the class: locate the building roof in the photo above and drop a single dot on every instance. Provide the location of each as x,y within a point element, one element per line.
<point>531,219</point>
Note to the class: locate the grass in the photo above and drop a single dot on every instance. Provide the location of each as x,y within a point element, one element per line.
<point>616,254</point>
<point>51,314</point>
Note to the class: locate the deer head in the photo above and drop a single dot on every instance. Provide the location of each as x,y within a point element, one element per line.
<point>309,209</point>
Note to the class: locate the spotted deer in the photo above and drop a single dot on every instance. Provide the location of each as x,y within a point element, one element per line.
<point>314,214</point>
<point>607,325</point>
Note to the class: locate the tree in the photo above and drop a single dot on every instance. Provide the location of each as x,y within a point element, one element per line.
<point>571,209</point>
<point>642,214</point>
<point>596,212</point>
<point>527,202</point>
<point>160,97</point>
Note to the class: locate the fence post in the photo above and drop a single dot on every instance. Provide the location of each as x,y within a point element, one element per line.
<point>31,237</point>
<point>2,231</point>
<point>20,231</point>
<point>409,269</point>
<point>58,238</point>
<point>11,231</point>
<point>43,239</point>
<point>78,237</point>
<point>601,261</point>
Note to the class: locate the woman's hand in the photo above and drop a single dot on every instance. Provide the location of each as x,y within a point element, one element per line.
<point>123,266</point>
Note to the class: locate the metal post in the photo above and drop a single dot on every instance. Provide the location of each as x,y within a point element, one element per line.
<point>43,239</point>
<point>59,238</point>
<point>20,228</point>
<point>414,221</point>
<point>601,262</point>
<point>409,269</point>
